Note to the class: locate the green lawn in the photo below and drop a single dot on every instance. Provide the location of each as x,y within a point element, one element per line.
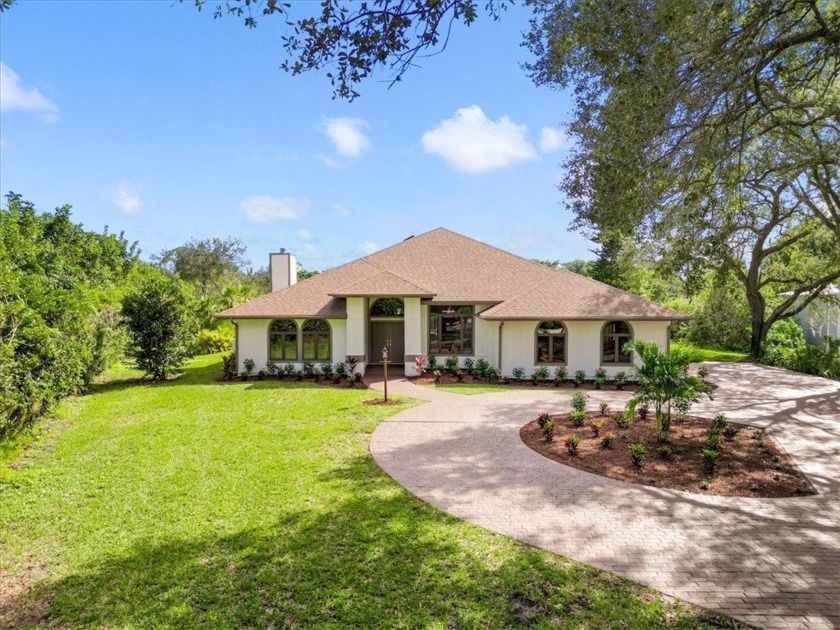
<point>698,355</point>
<point>196,503</point>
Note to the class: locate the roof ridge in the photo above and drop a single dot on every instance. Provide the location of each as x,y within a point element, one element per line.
<point>379,273</point>
<point>609,286</point>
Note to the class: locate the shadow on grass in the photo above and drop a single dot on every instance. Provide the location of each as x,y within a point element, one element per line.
<point>378,559</point>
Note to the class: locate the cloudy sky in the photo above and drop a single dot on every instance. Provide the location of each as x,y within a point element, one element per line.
<point>162,122</point>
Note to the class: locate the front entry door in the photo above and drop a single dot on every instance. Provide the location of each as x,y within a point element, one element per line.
<point>391,333</point>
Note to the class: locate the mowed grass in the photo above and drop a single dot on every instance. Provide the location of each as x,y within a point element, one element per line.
<point>698,355</point>
<point>196,503</point>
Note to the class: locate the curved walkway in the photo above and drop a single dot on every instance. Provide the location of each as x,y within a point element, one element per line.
<point>770,562</point>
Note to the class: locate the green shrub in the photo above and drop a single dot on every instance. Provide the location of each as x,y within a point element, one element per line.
<point>229,366</point>
<point>571,444</point>
<point>341,369</point>
<point>720,421</point>
<point>784,344</point>
<point>518,373</point>
<point>578,418</point>
<point>433,363</point>
<point>560,374</point>
<point>710,459</point>
<point>451,365</point>
<point>605,408</point>
<point>469,366</point>
<point>596,427</point>
<point>620,380</point>
<point>600,378</point>
<point>548,430</point>
<point>713,440</point>
<point>580,377</point>
<point>159,317</point>
<point>491,374</point>
<point>579,402</point>
<point>607,440</point>
<point>289,370</point>
<point>540,375</point>
<point>327,371</point>
<point>248,366</point>
<point>481,367</point>
<point>621,420</point>
<point>637,454</point>
<point>664,452</point>
<point>271,368</point>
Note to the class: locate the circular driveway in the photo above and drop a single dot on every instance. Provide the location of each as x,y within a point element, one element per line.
<point>770,562</point>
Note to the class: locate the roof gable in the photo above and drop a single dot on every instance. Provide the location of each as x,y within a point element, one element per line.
<point>447,267</point>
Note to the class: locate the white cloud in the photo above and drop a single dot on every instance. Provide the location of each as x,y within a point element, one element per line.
<point>14,96</point>
<point>329,162</point>
<point>368,247</point>
<point>341,211</point>
<point>471,142</point>
<point>304,235</point>
<point>309,250</point>
<point>552,139</point>
<point>126,197</point>
<point>265,208</point>
<point>347,136</point>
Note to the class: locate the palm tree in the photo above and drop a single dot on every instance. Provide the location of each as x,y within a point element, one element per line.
<point>663,378</point>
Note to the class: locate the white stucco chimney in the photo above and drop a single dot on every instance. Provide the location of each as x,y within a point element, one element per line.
<point>282,267</point>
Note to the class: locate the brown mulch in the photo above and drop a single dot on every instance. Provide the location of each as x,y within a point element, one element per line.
<point>342,384</point>
<point>750,465</point>
<point>445,379</point>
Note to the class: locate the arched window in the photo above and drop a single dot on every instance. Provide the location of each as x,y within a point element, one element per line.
<point>551,342</point>
<point>388,307</point>
<point>613,337</point>
<point>282,340</point>
<point>316,340</point>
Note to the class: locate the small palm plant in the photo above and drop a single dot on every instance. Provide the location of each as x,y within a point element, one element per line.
<point>662,381</point>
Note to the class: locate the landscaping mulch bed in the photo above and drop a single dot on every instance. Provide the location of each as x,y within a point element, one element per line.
<point>447,379</point>
<point>752,464</point>
<point>341,384</point>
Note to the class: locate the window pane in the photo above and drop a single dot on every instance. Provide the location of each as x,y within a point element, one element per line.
<point>609,350</point>
<point>290,348</point>
<point>323,348</point>
<point>551,328</point>
<point>543,344</point>
<point>558,349</point>
<point>623,357</point>
<point>450,335</point>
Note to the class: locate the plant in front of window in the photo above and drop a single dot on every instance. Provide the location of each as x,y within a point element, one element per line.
<point>469,366</point>
<point>451,365</point>
<point>289,370</point>
<point>662,380</point>
<point>620,380</point>
<point>327,371</point>
<point>481,367</point>
<point>560,374</point>
<point>340,370</point>
<point>308,369</point>
<point>271,368</point>
<point>418,365</point>
<point>539,376</point>
<point>580,377</point>
<point>600,378</point>
<point>351,379</point>
<point>248,366</point>
<point>433,363</point>
<point>518,374</point>
<point>261,375</point>
<point>459,375</point>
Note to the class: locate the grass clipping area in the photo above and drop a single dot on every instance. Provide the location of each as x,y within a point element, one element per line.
<point>195,503</point>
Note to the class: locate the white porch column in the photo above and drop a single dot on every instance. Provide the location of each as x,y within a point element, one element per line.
<point>357,329</point>
<point>413,334</point>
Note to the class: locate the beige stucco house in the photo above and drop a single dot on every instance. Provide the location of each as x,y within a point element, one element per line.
<point>446,295</point>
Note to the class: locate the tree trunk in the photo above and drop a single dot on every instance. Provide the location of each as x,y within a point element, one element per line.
<point>757,305</point>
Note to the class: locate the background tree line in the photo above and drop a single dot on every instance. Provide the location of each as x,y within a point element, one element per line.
<point>74,301</point>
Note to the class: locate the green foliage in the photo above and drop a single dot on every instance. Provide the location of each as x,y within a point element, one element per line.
<point>540,375</point>
<point>664,452</point>
<point>578,418</point>
<point>159,317</point>
<point>481,367</point>
<point>579,402</point>
<point>209,341</point>
<point>785,344</point>
<point>205,263</point>
<point>637,453</point>
<point>518,373</point>
<point>721,316</point>
<point>710,459</point>
<point>663,379</point>
<point>607,440</point>
<point>60,288</point>
<point>560,373</point>
<point>580,377</point>
<point>547,429</point>
<point>571,443</point>
<point>451,365</point>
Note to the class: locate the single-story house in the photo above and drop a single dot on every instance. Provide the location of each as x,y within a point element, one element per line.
<point>443,294</point>
<point>820,320</point>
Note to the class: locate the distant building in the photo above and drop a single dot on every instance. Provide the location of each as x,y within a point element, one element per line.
<point>821,318</point>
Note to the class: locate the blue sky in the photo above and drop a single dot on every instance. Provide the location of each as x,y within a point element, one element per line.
<point>162,122</point>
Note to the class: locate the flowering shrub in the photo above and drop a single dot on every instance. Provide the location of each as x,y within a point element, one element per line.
<point>418,365</point>
<point>580,377</point>
<point>571,444</point>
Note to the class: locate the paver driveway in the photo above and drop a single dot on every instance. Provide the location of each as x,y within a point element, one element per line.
<point>770,562</point>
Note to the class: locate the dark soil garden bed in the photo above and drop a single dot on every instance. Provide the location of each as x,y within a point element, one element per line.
<point>751,464</point>
<point>446,379</point>
<point>341,383</point>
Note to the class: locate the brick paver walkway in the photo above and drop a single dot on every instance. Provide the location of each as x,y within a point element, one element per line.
<point>771,562</point>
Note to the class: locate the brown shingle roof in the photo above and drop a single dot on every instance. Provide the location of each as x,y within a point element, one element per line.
<point>383,284</point>
<point>454,268</point>
<point>567,295</point>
